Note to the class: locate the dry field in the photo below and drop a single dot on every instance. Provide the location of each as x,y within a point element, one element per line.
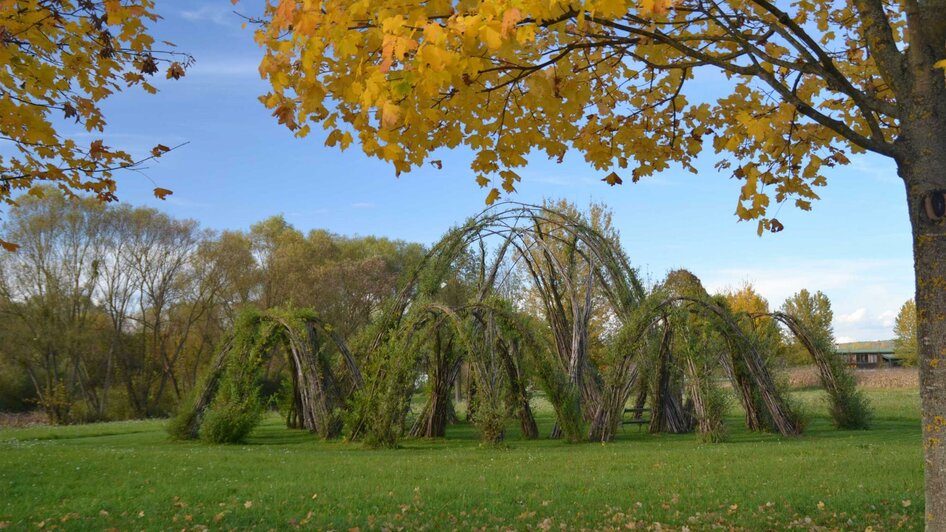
<point>26,419</point>
<point>886,378</point>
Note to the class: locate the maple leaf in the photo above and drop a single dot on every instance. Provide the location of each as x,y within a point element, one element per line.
<point>286,116</point>
<point>510,178</point>
<point>162,193</point>
<point>492,196</point>
<point>613,179</point>
<point>285,10</point>
<point>511,17</point>
<point>97,149</point>
<point>69,111</point>
<point>159,150</point>
<point>390,114</point>
<point>175,70</point>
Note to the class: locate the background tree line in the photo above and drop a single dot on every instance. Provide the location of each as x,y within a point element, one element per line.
<point>113,311</point>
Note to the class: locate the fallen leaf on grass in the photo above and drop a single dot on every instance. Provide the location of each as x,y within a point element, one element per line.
<point>906,503</point>
<point>248,504</point>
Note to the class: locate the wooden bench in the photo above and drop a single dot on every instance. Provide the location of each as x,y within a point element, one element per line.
<point>637,417</point>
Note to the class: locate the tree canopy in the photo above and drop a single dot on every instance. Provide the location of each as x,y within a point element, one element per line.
<point>612,80</point>
<point>61,61</point>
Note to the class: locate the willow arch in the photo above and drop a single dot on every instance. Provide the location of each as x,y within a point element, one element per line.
<point>319,384</point>
<point>849,408</point>
<point>529,232</point>
<point>574,269</point>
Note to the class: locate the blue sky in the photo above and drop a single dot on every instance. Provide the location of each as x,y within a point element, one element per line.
<point>240,167</point>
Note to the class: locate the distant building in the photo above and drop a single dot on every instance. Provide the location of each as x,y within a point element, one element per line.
<point>868,355</point>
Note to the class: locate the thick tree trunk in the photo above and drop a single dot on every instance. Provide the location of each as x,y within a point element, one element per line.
<point>925,177</point>
<point>921,162</point>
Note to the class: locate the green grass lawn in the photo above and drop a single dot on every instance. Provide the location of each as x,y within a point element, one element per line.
<point>128,475</point>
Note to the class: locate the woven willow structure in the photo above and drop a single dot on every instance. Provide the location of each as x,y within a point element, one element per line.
<point>666,347</point>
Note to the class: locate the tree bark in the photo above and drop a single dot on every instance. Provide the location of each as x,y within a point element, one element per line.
<point>921,163</point>
<point>925,175</point>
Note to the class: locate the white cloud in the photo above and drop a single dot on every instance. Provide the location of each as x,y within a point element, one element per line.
<point>854,317</point>
<point>865,294</point>
<point>220,14</point>
<point>888,318</point>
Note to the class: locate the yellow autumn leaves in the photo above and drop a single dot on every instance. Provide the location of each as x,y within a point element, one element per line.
<point>411,79</point>
<point>605,80</point>
<point>61,60</point>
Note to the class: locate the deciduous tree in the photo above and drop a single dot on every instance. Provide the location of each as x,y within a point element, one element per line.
<point>905,329</point>
<point>814,312</point>
<point>805,84</point>
<point>61,60</point>
<point>51,325</point>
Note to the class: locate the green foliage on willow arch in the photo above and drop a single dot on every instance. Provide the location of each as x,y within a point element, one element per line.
<point>379,409</point>
<point>849,407</point>
<point>228,405</point>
